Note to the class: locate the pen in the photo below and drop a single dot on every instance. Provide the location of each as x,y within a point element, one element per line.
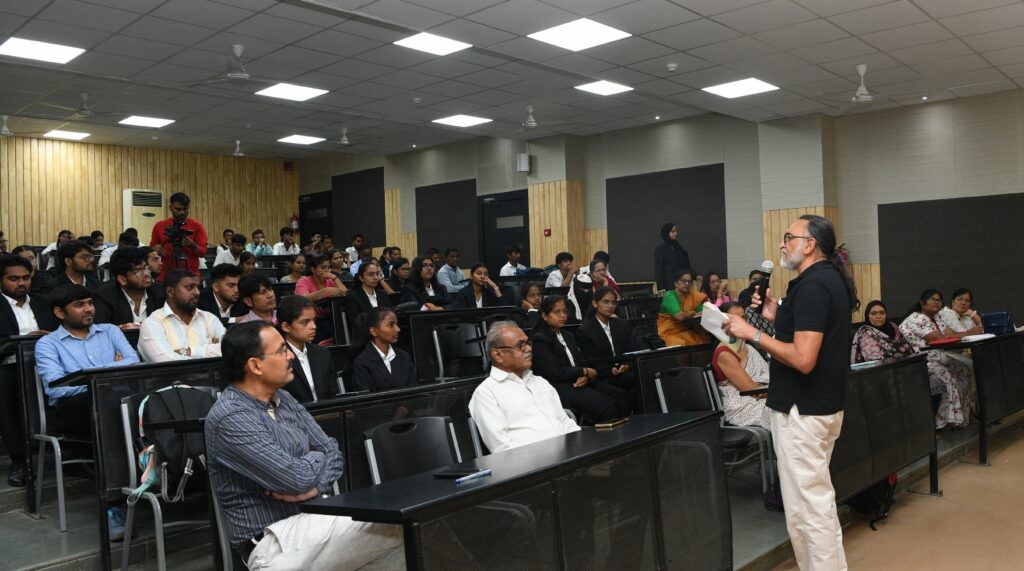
<point>471,477</point>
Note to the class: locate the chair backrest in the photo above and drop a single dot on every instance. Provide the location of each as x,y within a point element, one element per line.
<point>457,353</point>
<point>684,389</point>
<point>410,446</point>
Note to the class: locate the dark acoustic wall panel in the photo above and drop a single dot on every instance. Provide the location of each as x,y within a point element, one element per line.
<point>947,244</point>
<point>638,205</point>
<point>446,218</point>
<point>358,206</point>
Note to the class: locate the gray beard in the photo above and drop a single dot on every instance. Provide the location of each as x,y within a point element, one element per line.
<point>791,263</point>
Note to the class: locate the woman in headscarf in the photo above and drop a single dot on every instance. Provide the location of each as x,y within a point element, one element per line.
<point>669,258</point>
<point>878,338</point>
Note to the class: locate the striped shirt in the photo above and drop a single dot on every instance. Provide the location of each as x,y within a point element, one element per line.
<point>253,447</point>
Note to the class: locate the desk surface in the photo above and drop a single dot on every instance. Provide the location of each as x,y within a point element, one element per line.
<point>406,498</point>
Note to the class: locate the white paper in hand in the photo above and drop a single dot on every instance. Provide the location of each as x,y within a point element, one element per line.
<point>711,320</point>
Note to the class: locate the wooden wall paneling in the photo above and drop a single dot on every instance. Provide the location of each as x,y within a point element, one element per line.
<point>557,205</point>
<point>596,239</point>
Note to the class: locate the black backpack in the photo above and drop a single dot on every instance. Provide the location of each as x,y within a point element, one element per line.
<point>876,501</point>
<point>169,457</point>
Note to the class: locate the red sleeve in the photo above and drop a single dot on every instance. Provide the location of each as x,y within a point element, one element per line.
<point>201,239</point>
<point>157,237</point>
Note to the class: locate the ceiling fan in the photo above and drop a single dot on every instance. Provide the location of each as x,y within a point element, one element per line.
<point>83,111</point>
<point>238,149</point>
<point>236,73</point>
<point>5,131</point>
<point>344,137</point>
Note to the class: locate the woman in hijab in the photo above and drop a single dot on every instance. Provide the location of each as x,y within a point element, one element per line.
<point>669,258</point>
<point>878,338</point>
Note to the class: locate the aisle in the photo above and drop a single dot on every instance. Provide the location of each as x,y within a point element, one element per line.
<point>976,525</point>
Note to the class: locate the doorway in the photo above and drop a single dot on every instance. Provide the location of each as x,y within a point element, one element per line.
<point>504,221</point>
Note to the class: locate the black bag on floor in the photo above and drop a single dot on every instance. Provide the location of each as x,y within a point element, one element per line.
<point>876,501</point>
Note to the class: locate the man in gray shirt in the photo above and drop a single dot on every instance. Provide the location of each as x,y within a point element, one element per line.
<point>266,455</point>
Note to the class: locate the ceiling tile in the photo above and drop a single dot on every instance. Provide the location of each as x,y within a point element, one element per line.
<point>685,63</point>
<point>254,47</point>
<point>629,50</point>
<point>457,7</point>
<point>406,14</point>
<point>299,57</point>
<point>951,65</point>
<point>378,31</point>
<point>835,50</point>
<point>946,8</point>
<point>826,87</point>
<point>339,43</point>
<point>138,47</point>
<point>796,76</point>
<point>275,29</point>
<point>356,69</point>
<point>522,17</point>
<point>1006,56</point>
<point>833,7</point>
<point>923,33</point>
<point>109,64</point>
<point>932,51</point>
<point>755,115</point>
<point>492,78</point>
<point>661,87</point>
<point>847,67</point>
<point>644,16</point>
<point>43,31</point>
<point>471,33</point>
<point>478,57</point>
<point>201,59</point>
<point>529,49</point>
<point>446,67</point>
<point>765,16</point>
<point>406,79</point>
<point>168,31</point>
<point>166,72</point>
<point>452,88</point>
<point>9,23</point>
<point>202,13</point>
<point>493,97</point>
<point>758,66</point>
<point>24,7</point>
<point>987,20</point>
<point>996,40</point>
<point>798,107</point>
<point>326,81</point>
<point>579,63</point>
<point>732,50</point>
<point>692,34</point>
<point>994,86</point>
<point>85,15</point>
<point>308,13</point>
<point>587,7</point>
<point>625,76</point>
<point>708,77</point>
<point>802,34</point>
<point>712,7</point>
<point>395,56</point>
<point>883,17</point>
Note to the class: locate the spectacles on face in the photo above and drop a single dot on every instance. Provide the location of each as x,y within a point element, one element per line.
<point>282,351</point>
<point>787,237</point>
<point>140,272</point>
<point>521,346</point>
<point>428,266</point>
<point>686,282</point>
<point>937,300</point>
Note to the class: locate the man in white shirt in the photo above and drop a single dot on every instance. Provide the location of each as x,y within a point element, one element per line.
<point>49,253</point>
<point>287,245</point>
<point>230,256</point>
<point>225,244</point>
<point>127,239</point>
<point>514,255</point>
<point>180,330</point>
<point>353,250</point>
<point>564,271</point>
<point>513,407</point>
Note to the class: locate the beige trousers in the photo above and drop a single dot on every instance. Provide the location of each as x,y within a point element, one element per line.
<point>312,542</point>
<point>803,445</point>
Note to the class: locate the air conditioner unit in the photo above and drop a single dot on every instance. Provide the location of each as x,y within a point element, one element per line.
<point>142,209</point>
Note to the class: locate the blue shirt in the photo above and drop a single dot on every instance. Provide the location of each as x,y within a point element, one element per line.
<point>451,278</point>
<point>60,353</point>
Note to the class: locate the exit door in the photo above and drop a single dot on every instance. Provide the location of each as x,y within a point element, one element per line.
<point>504,221</point>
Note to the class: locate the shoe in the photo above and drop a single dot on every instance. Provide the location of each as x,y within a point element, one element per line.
<point>16,479</point>
<point>115,523</point>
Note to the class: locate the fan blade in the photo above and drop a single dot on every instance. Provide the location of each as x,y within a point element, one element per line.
<point>209,82</point>
<point>55,106</point>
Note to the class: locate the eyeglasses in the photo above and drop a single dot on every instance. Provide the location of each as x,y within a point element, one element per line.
<point>140,273</point>
<point>428,266</point>
<point>787,237</point>
<point>518,346</point>
<point>283,350</point>
<point>686,282</point>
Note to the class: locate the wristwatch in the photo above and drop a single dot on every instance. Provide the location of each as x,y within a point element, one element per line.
<point>757,339</point>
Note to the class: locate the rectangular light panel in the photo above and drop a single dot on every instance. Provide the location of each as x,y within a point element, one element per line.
<point>41,51</point>
<point>433,44</point>
<point>579,35</point>
<point>740,88</point>
<point>300,140</point>
<point>291,92</point>
<point>68,135</point>
<point>140,121</point>
<point>604,87</point>
<point>462,120</point>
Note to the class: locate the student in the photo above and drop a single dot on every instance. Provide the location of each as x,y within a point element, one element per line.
<point>76,261</point>
<point>365,252</point>
<point>353,250</point>
<point>513,254</point>
<point>382,366</point>
<point>259,246</point>
<point>339,263</point>
<point>256,291</point>
<point>481,292</point>
<point>49,253</point>
<point>235,249</point>
<point>38,280</point>
<point>315,378</point>
<point>247,261</point>
<point>127,299</point>
<point>450,276</point>
<point>321,284</point>
<point>564,271</point>
<point>747,294</point>
<point>423,287</point>
<point>435,256</point>
<point>388,257</point>
<point>297,269</point>
<point>400,269</point>
<point>225,243</point>
<point>367,295</point>
<point>221,297</point>
<point>180,330</point>
<point>125,240</point>
<point>287,245</point>
<point>97,241</point>
<point>527,309</point>
<point>604,334</point>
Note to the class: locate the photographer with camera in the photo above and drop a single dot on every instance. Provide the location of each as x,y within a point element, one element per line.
<point>180,240</point>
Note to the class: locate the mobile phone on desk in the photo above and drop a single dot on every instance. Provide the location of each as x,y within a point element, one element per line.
<point>611,423</point>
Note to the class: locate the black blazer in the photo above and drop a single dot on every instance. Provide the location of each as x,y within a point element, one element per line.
<point>113,307</point>
<point>526,320</point>
<point>63,279</point>
<point>466,299</point>
<point>324,377</point>
<point>594,343</point>
<point>413,292</point>
<point>370,374</point>
<point>40,305</point>
<point>550,360</point>
<point>667,261</point>
<point>358,303</point>
<point>208,303</point>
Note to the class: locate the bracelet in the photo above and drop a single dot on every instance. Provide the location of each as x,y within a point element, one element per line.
<point>757,339</point>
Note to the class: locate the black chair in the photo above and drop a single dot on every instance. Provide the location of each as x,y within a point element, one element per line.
<point>410,446</point>
<point>459,350</point>
<point>562,291</point>
<point>693,389</point>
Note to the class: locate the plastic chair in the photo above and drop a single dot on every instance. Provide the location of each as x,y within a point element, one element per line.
<point>459,350</point>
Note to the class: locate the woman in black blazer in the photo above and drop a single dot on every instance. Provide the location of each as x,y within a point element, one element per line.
<point>594,342</point>
<point>557,358</point>
<point>423,287</point>
<point>479,292</point>
<point>527,310</point>
<point>365,294</point>
<point>369,372</point>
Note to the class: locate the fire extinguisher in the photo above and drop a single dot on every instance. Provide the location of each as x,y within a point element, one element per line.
<point>294,222</point>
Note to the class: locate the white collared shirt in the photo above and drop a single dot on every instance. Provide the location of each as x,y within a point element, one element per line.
<point>566,347</point>
<point>138,318</point>
<point>226,257</point>
<point>281,250</point>
<point>510,270</point>
<point>26,318</point>
<point>429,289</point>
<point>607,331</point>
<point>511,411</point>
<point>164,336</point>
<point>225,312</point>
<point>372,297</point>
<point>386,358</point>
<point>303,357</point>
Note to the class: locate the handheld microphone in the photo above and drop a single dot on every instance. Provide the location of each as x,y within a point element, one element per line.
<point>767,267</point>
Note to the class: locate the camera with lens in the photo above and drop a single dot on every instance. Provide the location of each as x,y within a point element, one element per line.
<point>177,231</point>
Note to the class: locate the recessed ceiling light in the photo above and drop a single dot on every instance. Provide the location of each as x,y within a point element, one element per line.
<point>579,35</point>
<point>42,51</point>
<point>604,87</point>
<point>740,88</point>
<point>925,98</point>
<point>461,120</point>
<point>414,145</point>
<point>292,92</point>
<point>432,44</point>
<point>69,135</point>
<point>657,117</point>
<point>140,121</point>
<point>300,140</point>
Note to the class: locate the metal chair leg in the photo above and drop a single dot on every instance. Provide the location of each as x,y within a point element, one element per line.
<point>126,543</point>
<point>158,527</point>
<point>39,476</point>
<point>58,466</point>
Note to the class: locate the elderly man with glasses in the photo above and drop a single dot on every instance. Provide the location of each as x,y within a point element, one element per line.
<point>513,407</point>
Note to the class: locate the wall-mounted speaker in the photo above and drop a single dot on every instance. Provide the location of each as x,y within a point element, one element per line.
<point>523,162</point>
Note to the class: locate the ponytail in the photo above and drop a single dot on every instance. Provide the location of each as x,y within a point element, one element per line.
<point>824,234</point>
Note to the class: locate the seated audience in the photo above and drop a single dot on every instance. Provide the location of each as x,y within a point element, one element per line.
<point>514,254</point>
<point>388,258</point>
<point>679,318</point>
<point>321,284</point>
<point>315,245</point>
<point>435,256</point>
<point>365,252</point>
<point>747,294</point>
<point>950,377</point>
<point>557,358</point>
<point>960,319</point>
<point>481,291</point>
<point>266,455</point>
<point>221,297</point>
<point>3,243</point>
<point>233,253</point>
<point>20,314</point>
<point>514,407</point>
<point>247,261</point>
<point>602,256</point>
<point>287,245</point>
<point>154,262</point>
<point>259,246</point>
<point>450,275</point>
<point>97,241</point>
<point>129,297</point>
<point>315,379</point>
<point>297,269</point>
<point>339,263</point>
<point>125,240</point>
<point>353,250</point>
<point>256,291</point>
<point>400,269</point>
<point>603,334</point>
<point>669,257</point>
<point>180,330</point>
<point>564,271</point>
<point>743,371</point>
<point>878,338</point>
<point>75,262</point>
<point>38,280</point>
<point>49,253</point>
<point>582,291</point>
<point>527,309</point>
<point>423,288</point>
<point>382,366</point>
<point>715,289</point>
<point>367,294</point>
<point>225,243</point>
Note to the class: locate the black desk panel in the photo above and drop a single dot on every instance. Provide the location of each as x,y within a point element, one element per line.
<point>999,373</point>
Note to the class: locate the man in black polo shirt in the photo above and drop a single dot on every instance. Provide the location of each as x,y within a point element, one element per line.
<point>810,357</point>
